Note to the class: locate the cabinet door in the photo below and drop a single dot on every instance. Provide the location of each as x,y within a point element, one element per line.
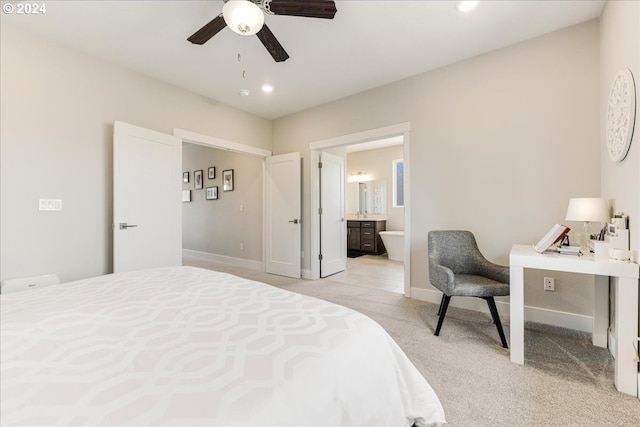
<point>353,238</point>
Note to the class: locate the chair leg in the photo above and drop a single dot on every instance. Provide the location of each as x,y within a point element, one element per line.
<point>441,304</point>
<point>496,319</point>
<point>444,304</point>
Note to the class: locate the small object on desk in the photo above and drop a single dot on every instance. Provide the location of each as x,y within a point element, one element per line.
<point>569,250</point>
<point>553,236</point>
<point>600,248</point>
<point>619,254</point>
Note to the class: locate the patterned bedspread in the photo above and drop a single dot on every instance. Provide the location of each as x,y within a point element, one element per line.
<point>185,346</point>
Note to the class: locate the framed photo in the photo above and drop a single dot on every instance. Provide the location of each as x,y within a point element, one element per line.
<point>212,193</point>
<point>197,180</point>
<point>227,180</point>
<point>186,195</point>
<point>185,177</point>
<point>212,172</point>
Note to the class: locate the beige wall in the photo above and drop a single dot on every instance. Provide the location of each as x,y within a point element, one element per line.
<point>220,226</point>
<point>620,47</point>
<point>378,164</point>
<point>57,112</point>
<point>499,143</point>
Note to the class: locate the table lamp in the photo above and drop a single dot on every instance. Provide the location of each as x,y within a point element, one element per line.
<point>587,210</point>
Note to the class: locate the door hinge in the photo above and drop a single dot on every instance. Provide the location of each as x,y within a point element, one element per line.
<point>319,165</point>
<point>320,257</point>
<point>320,211</point>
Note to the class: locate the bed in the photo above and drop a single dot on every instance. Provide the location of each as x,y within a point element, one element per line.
<point>185,346</point>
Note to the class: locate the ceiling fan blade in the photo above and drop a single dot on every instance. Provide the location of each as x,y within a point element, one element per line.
<point>211,29</point>
<point>307,8</point>
<point>272,44</point>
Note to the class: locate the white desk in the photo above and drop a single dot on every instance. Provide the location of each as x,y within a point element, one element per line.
<point>626,305</point>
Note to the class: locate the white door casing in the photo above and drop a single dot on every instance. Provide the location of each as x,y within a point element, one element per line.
<point>316,147</point>
<point>147,207</point>
<point>283,214</point>
<point>333,244</point>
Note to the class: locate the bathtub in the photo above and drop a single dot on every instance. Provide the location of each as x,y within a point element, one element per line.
<point>394,243</point>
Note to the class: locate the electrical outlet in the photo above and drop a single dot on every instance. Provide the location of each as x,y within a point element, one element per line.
<point>549,284</point>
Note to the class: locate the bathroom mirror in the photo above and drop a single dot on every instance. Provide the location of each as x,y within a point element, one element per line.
<point>367,197</point>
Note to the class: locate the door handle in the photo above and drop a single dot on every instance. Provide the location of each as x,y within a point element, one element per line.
<point>124,225</point>
<point>296,221</point>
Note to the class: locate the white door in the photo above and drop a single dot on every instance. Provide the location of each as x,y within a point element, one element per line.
<point>283,214</point>
<point>333,243</point>
<point>147,210</point>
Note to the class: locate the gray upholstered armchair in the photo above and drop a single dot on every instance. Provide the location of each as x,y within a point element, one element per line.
<point>457,268</point>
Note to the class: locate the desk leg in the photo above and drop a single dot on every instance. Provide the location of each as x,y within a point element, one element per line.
<point>516,304</point>
<point>600,311</point>
<point>626,319</point>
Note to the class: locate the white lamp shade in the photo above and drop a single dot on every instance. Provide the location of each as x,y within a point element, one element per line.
<point>588,209</point>
<point>243,16</point>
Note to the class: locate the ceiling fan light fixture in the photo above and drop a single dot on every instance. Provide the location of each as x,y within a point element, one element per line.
<point>243,17</point>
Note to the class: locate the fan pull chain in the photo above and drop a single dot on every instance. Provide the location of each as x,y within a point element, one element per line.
<point>244,72</point>
<point>243,92</point>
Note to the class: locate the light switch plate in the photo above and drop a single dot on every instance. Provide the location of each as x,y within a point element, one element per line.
<point>50,204</point>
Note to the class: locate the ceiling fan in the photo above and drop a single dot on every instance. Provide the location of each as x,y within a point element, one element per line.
<point>246,17</point>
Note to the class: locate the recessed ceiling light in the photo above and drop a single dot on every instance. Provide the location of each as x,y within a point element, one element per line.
<point>267,88</point>
<point>466,6</point>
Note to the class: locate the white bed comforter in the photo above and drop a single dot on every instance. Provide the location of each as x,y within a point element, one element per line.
<point>186,346</point>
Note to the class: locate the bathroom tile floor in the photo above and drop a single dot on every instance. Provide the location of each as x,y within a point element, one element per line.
<point>375,272</point>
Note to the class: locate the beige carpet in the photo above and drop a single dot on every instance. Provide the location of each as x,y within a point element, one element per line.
<point>565,380</point>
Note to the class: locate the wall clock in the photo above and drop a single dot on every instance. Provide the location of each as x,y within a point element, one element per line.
<point>621,113</point>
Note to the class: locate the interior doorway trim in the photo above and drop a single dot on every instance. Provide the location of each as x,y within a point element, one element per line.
<point>316,147</point>
<point>222,144</point>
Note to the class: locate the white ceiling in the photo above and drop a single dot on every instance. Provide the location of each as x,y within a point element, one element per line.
<point>367,44</point>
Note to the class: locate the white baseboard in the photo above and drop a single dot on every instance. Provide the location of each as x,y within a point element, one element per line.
<point>534,314</point>
<point>236,262</point>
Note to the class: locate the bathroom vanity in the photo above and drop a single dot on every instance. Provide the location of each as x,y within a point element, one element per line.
<point>363,235</point>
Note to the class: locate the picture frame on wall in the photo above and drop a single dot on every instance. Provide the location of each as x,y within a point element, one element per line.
<point>186,195</point>
<point>212,193</point>
<point>185,177</point>
<point>212,172</point>
<point>227,180</point>
<point>197,180</point>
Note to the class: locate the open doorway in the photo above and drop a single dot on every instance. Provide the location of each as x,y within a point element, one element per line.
<point>398,133</point>
<point>375,214</point>
<point>281,175</point>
